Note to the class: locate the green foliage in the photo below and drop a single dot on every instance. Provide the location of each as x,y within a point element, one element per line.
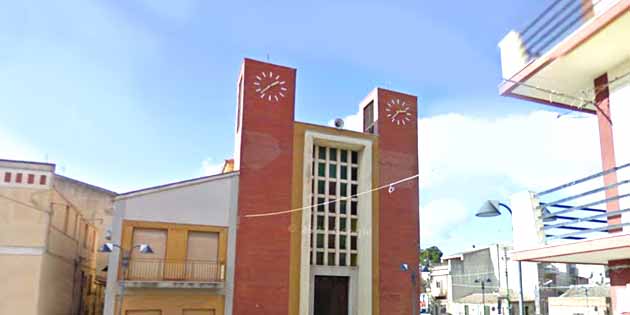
<point>431,256</point>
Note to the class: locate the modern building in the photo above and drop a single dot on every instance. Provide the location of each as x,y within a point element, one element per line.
<point>583,300</point>
<point>311,219</point>
<point>49,227</point>
<point>190,227</point>
<point>483,280</point>
<point>576,56</point>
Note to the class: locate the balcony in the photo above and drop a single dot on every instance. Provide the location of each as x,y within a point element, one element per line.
<point>585,221</point>
<point>163,273</point>
<point>555,58</point>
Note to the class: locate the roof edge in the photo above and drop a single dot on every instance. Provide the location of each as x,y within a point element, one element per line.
<point>173,185</point>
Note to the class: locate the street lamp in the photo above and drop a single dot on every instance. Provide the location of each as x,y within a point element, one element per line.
<point>483,292</point>
<point>109,247</point>
<point>490,208</point>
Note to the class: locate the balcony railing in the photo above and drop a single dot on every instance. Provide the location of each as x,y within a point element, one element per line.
<point>175,270</point>
<point>558,20</point>
<point>585,208</point>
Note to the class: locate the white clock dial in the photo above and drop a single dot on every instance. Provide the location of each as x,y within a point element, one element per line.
<point>398,112</point>
<point>269,86</point>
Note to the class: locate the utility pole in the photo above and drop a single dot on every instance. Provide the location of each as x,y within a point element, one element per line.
<point>483,292</point>
<point>507,282</point>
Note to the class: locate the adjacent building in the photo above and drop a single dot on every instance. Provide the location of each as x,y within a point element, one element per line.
<point>190,227</point>
<point>50,226</point>
<point>483,280</point>
<point>456,286</point>
<point>576,56</point>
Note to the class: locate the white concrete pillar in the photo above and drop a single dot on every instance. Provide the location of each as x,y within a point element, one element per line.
<point>527,224</point>
<point>620,116</point>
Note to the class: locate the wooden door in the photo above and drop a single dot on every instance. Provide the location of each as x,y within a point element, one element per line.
<point>331,295</point>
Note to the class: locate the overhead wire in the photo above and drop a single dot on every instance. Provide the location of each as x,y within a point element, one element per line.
<point>389,186</point>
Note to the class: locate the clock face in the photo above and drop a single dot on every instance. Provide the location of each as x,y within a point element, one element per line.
<point>398,112</point>
<point>269,86</point>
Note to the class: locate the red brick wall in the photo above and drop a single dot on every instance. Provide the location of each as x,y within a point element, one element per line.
<point>606,144</point>
<point>619,277</point>
<point>399,218</point>
<point>263,244</point>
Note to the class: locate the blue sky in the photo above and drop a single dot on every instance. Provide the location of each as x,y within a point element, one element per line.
<point>128,94</point>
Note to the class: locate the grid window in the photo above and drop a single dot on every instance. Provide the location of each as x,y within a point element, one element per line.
<point>335,218</point>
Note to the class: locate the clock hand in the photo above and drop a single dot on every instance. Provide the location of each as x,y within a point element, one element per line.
<point>397,112</point>
<point>269,86</point>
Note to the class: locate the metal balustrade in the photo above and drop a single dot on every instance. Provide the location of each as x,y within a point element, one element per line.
<point>585,214</point>
<point>175,270</point>
<point>558,20</point>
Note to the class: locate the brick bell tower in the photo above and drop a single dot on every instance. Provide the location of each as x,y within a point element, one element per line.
<point>393,117</point>
<point>264,148</point>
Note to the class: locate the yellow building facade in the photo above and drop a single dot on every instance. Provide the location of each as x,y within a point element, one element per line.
<point>49,228</point>
<point>188,270</point>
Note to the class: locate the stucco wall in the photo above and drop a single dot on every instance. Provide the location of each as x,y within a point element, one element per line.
<point>23,217</point>
<point>19,292</point>
<point>201,203</point>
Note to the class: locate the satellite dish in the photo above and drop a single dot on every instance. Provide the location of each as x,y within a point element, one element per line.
<point>339,123</point>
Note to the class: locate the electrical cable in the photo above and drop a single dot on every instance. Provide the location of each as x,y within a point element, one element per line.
<point>389,186</point>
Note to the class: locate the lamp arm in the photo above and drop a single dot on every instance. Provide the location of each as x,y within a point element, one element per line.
<point>506,207</point>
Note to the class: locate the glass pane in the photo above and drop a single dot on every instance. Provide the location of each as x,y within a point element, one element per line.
<point>353,207</point>
<point>342,224</point>
<point>343,189</point>
<point>353,242</point>
<point>353,259</point>
<point>321,187</point>
<point>354,173</point>
<point>319,258</point>
<point>320,222</point>
<point>332,188</point>
<point>342,206</point>
<point>331,241</point>
<point>332,207</point>
<point>320,240</point>
<point>343,155</point>
<point>344,172</point>
<point>342,259</point>
<point>320,207</point>
<point>355,157</point>
<point>353,225</point>
<point>322,153</point>
<point>321,169</point>
<point>353,190</point>
<point>331,259</point>
<point>331,223</point>
<point>333,154</point>
<point>332,170</point>
<point>342,242</point>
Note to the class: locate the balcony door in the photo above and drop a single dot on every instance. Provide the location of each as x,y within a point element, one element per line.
<point>202,255</point>
<point>147,266</point>
<point>331,295</point>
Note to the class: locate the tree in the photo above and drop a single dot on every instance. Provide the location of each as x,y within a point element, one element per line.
<point>431,256</point>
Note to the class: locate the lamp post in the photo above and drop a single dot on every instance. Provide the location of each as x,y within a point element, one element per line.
<point>490,208</point>
<point>124,263</point>
<point>483,292</point>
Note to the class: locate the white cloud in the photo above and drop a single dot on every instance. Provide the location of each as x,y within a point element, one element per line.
<point>210,167</point>
<point>531,151</point>
<point>534,150</point>
<point>435,224</point>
